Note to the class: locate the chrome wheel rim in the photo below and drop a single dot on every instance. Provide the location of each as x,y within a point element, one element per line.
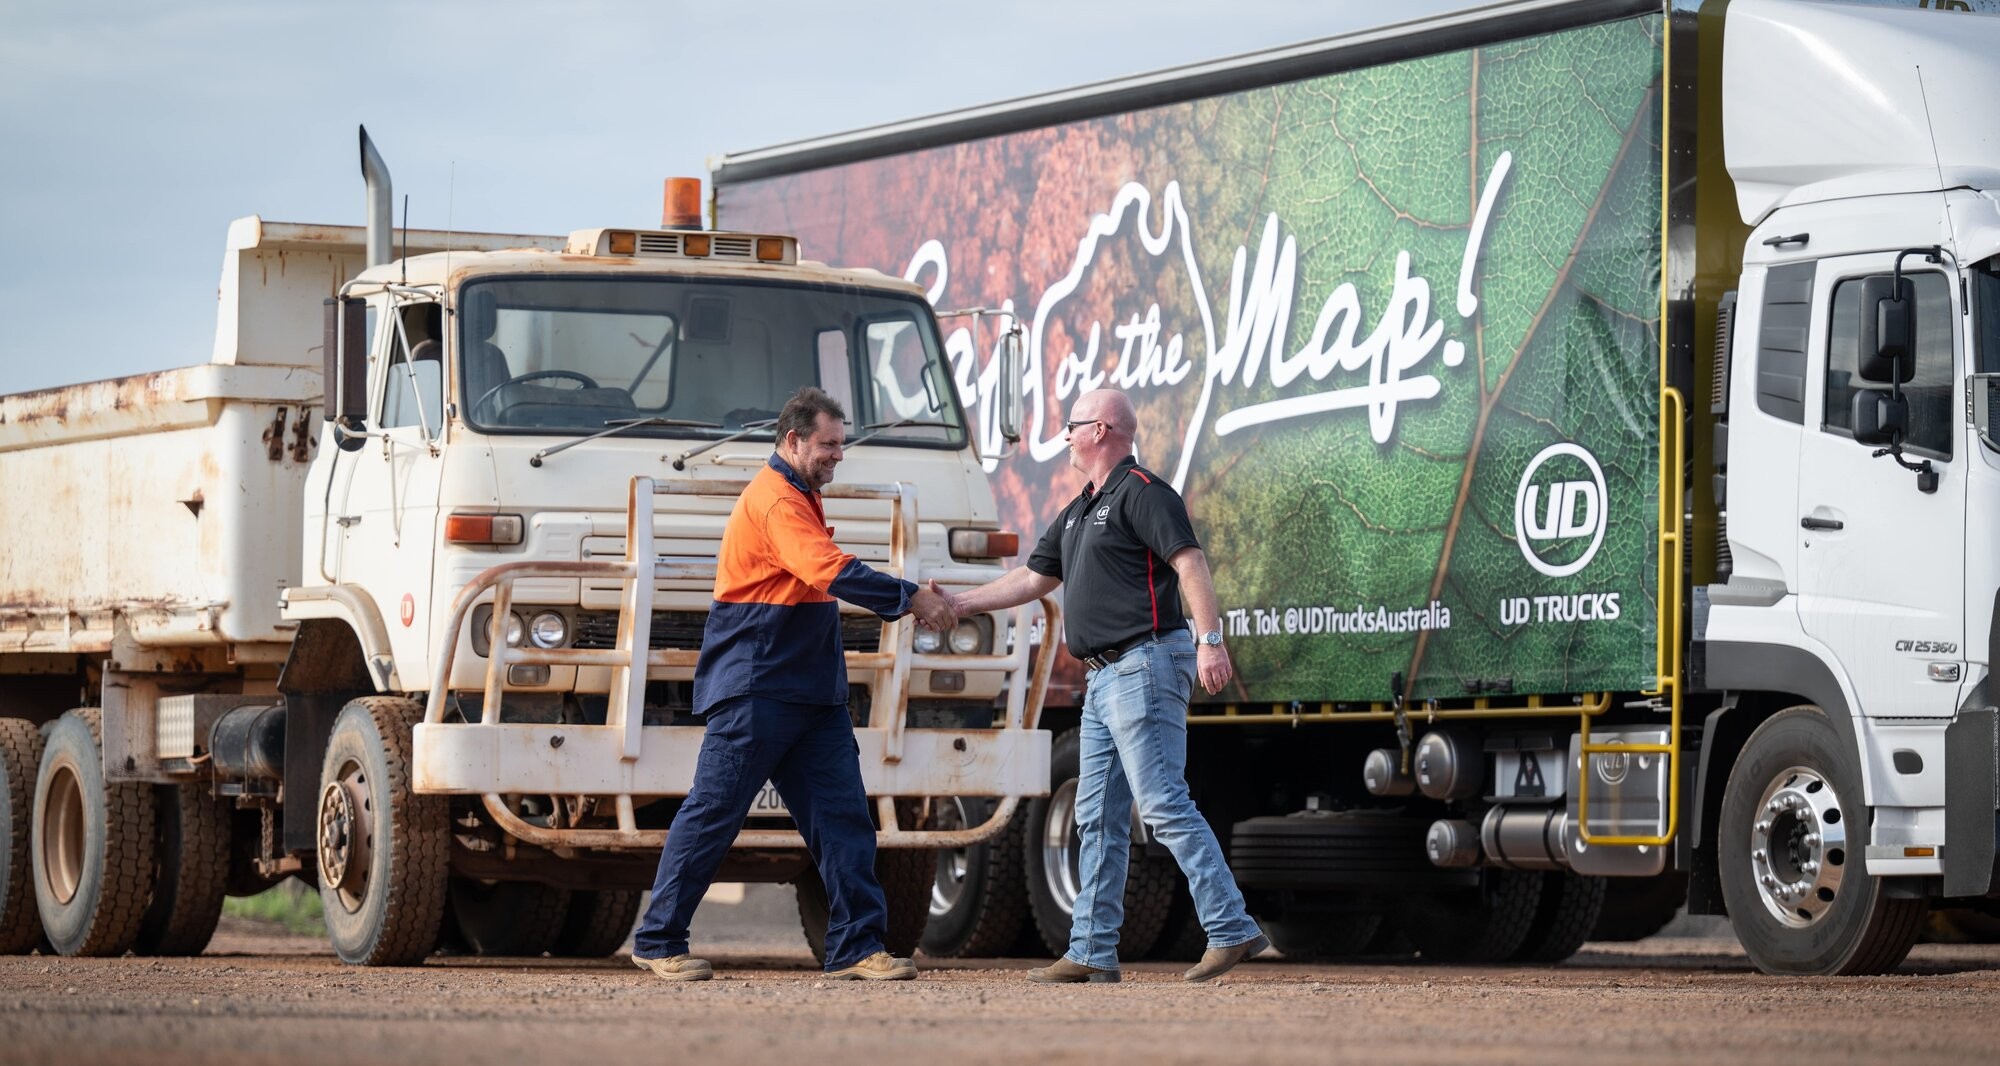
<point>1060,860</point>
<point>948,887</point>
<point>1798,847</point>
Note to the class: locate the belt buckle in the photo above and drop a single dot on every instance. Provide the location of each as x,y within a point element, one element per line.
<point>1094,663</point>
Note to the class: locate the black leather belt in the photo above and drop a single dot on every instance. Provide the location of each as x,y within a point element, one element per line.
<point>1111,655</point>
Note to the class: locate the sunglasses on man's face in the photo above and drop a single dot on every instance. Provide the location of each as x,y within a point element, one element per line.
<point>1072,427</point>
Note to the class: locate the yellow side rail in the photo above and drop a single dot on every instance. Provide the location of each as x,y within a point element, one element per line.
<point>1667,656</point>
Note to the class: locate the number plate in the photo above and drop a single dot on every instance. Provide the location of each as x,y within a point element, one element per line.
<point>768,802</point>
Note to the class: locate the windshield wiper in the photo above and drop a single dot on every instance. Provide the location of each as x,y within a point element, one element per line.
<point>680,461</point>
<point>879,428</point>
<point>617,425</point>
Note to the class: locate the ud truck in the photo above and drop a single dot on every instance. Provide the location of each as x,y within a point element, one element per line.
<point>401,592</point>
<point>1587,409</point>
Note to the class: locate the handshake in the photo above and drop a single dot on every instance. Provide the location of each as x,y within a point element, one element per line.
<point>935,608</point>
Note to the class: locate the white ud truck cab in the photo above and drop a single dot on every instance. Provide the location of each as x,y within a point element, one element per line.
<point>431,648</point>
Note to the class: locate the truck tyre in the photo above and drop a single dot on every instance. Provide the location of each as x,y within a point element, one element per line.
<point>93,844</point>
<point>1789,849</point>
<point>192,872</point>
<point>1564,918</point>
<point>597,923</point>
<point>20,759</point>
<point>978,900</point>
<point>1638,907</point>
<point>1476,925</point>
<point>1315,936</point>
<point>906,875</point>
<point>1050,856</point>
<point>382,850</point>
<point>505,917</point>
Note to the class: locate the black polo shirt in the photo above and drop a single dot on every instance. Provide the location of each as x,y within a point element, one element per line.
<point>1110,548</point>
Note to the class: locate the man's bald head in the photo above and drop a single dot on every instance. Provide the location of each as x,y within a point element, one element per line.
<point>1111,407</point>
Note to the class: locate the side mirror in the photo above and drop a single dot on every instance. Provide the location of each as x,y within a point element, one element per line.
<point>344,349</point>
<point>1010,384</point>
<point>1888,331</point>
<point>1880,417</point>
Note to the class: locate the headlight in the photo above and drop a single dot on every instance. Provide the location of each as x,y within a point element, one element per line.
<point>929,641</point>
<point>548,630</point>
<point>515,629</point>
<point>965,638</point>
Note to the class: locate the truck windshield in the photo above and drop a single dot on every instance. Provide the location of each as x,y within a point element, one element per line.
<point>568,356</point>
<point>1986,314</point>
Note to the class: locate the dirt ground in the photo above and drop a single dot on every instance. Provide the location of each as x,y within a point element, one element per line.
<point>260,996</point>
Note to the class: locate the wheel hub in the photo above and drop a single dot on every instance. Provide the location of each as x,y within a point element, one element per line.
<point>1798,847</point>
<point>343,838</point>
<point>63,827</point>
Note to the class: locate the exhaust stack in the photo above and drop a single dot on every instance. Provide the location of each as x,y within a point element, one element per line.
<point>381,215</point>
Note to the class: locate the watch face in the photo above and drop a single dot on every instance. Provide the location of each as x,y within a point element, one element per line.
<point>1212,639</point>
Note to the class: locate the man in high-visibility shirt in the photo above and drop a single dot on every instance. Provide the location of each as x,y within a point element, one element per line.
<point>772,682</point>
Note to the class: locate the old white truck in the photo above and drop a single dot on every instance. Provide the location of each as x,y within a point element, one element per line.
<point>400,593</point>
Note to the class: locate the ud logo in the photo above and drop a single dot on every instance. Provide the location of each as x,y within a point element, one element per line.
<point>1555,513</point>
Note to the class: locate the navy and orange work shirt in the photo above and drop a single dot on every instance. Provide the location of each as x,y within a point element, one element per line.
<point>774,628</point>
<point>1110,548</point>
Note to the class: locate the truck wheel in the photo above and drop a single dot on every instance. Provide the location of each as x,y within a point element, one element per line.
<point>1484,924</point>
<point>192,853</point>
<point>506,917</point>
<point>1564,917</point>
<point>978,901</point>
<point>20,758</point>
<point>381,848</point>
<point>1799,896</point>
<point>906,875</point>
<point>93,843</point>
<point>1052,873</point>
<point>597,923</point>
<point>1313,936</point>
<point>1638,907</point>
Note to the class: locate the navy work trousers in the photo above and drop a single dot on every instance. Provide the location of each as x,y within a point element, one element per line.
<point>808,752</point>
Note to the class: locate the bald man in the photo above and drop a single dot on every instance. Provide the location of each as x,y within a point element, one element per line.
<point>1128,553</point>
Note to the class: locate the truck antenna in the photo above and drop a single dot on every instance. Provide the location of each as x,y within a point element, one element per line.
<point>405,257</point>
<point>1936,162</point>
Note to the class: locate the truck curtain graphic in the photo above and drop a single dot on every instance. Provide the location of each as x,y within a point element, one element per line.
<point>1393,332</point>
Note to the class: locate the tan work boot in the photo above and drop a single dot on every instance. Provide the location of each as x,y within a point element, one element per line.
<point>677,967</point>
<point>1218,961</point>
<point>880,966</point>
<point>1064,972</point>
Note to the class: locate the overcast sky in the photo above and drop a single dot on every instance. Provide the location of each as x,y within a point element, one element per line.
<point>134,131</point>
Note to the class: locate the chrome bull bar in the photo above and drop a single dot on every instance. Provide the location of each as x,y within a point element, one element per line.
<point>624,758</point>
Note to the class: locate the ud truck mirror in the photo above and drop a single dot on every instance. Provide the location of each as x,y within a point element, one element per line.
<point>1888,330</point>
<point>1010,384</point>
<point>1880,417</point>
<point>344,380</point>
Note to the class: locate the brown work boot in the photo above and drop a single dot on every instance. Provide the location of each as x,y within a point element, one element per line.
<point>880,966</point>
<point>1064,972</point>
<point>1218,961</point>
<point>677,967</point>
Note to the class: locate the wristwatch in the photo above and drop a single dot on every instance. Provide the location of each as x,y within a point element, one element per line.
<point>1212,638</point>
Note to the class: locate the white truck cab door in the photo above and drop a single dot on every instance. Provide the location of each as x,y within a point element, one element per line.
<point>390,513</point>
<point>1881,563</point>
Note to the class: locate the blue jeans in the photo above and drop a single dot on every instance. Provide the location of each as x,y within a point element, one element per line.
<point>1134,742</point>
<point>808,752</point>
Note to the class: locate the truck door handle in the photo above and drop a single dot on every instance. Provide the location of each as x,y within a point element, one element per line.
<point>1810,522</point>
